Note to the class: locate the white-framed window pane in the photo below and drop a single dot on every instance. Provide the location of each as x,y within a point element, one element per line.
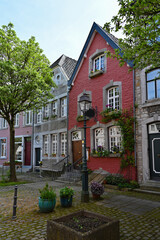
<point>39,116</point>
<point>3,147</point>
<point>4,123</point>
<point>46,111</point>
<point>28,117</point>
<point>63,107</point>
<point>54,108</point>
<point>99,137</point>
<point>98,63</point>
<point>64,143</point>
<point>54,143</point>
<point>113,97</point>
<point>45,144</point>
<point>17,120</point>
<point>115,139</point>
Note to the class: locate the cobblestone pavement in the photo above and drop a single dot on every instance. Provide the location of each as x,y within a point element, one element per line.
<point>139,214</point>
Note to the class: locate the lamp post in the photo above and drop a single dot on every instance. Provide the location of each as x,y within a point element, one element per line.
<point>84,106</point>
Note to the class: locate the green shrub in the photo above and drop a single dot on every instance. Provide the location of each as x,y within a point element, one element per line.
<point>47,193</point>
<point>115,179</point>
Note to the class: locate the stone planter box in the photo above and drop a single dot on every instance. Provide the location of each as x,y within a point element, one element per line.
<point>56,229</point>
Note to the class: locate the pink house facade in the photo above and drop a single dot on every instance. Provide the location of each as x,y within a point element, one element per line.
<point>23,139</point>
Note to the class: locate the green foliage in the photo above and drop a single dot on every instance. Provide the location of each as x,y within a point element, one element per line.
<point>140,22</point>
<point>121,182</point>
<point>25,79</point>
<point>47,193</point>
<point>66,192</point>
<point>115,179</point>
<point>125,120</point>
<point>131,184</point>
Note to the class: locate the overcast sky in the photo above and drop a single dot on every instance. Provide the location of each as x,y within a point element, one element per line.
<point>60,26</point>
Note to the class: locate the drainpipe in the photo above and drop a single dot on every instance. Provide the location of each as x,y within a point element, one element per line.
<point>32,143</point>
<point>68,89</point>
<point>134,114</point>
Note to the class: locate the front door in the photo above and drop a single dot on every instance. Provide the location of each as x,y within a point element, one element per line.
<point>27,153</point>
<point>154,156</point>
<point>38,155</point>
<point>77,150</point>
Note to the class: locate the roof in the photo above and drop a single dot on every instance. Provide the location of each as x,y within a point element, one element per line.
<point>110,39</point>
<point>68,64</point>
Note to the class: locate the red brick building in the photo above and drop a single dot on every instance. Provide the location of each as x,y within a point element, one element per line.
<point>106,83</point>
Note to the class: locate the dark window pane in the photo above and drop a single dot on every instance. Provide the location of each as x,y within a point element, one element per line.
<point>151,90</point>
<point>158,88</point>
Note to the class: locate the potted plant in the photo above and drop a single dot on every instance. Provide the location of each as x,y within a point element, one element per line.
<point>97,190</point>
<point>53,154</point>
<point>63,155</point>
<point>47,199</point>
<point>66,195</point>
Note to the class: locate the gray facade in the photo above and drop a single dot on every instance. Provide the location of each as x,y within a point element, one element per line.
<point>50,123</point>
<point>147,131</point>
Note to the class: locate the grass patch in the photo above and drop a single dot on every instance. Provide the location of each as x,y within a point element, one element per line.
<point>3,184</point>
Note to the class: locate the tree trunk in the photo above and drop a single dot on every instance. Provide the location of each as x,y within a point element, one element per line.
<point>13,177</point>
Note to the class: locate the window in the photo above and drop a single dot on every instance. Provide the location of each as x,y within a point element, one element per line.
<point>115,139</point>
<point>54,108</point>
<point>63,107</point>
<point>3,148</point>
<point>28,117</point>
<point>18,149</point>
<point>63,143</point>
<point>113,98</point>
<point>39,116</point>
<point>17,120</point>
<point>54,143</point>
<point>4,123</point>
<point>99,137</point>
<point>46,145</point>
<point>46,111</point>
<point>98,63</point>
<point>153,84</point>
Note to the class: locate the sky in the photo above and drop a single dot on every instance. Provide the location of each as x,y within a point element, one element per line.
<point>59,26</point>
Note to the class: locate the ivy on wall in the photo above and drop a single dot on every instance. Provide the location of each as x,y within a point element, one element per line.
<point>125,120</point>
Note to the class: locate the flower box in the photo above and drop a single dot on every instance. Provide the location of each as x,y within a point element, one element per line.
<point>96,73</point>
<point>65,227</point>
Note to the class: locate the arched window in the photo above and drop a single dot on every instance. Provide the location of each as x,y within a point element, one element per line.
<point>99,137</point>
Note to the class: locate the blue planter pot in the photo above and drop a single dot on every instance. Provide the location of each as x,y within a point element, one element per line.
<point>46,205</point>
<point>66,202</point>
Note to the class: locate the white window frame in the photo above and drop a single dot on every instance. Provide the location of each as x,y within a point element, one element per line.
<point>115,138</point>
<point>54,108</point>
<point>114,97</point>
<point>63,107</point>
<point>46,111</point>
<point>99,137</point>
<point>101,61</point>
<point>28,117</point>
<point>3,147</point>
<point>39,116</point>
<point>46,144</point>
<point>54,143</point>
<point>64,143</point>
<point>17,120</point>
<point>3,123</point>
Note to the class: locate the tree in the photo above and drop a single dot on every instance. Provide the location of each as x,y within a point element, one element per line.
<point>140,22</point>
<point>25,80</point>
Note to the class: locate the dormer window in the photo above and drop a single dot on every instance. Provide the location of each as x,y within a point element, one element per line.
<point>97,63</point>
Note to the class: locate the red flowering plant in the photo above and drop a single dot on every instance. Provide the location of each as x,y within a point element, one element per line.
<point>97,188</point>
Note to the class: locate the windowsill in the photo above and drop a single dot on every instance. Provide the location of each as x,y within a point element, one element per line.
<point>95,74</point>
<point>111,155</point>
<point>153,102</point>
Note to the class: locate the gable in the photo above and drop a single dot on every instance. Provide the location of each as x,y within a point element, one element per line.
<point>109,38</point>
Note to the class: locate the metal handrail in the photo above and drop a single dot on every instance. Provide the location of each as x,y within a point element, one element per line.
<point>61,160</point>
<point>70,168</point>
